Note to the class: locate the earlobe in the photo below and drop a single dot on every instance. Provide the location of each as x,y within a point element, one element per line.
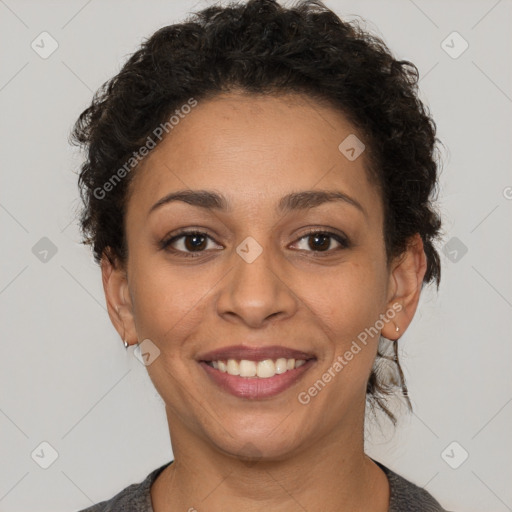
<point>406,280</point>
<point>119,307</point>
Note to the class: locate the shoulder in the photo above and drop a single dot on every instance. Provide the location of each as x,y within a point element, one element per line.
<point>408,497</point>
<point>134,498</point>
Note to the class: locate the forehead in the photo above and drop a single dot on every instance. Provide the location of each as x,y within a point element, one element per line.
<point>255,149</point>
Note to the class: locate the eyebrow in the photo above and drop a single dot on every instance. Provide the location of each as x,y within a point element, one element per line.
<point>303,200</point>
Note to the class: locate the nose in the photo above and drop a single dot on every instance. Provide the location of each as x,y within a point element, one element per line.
<point>256,291</point>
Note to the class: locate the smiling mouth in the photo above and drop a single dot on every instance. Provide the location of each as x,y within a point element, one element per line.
<point>255,372</point>
<point>256,380</point>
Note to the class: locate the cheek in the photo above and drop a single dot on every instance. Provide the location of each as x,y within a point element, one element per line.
<point>347,311</point>
<point>169,307</point>
<point>170,304</point>
<point>352,298</point>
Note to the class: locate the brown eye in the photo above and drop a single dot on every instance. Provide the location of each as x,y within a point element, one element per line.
<point>196,242</point>
<point>319,242</point>
<point>187,242</point>
<point>322,241</point>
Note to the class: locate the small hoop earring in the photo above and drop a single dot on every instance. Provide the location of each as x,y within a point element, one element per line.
<point>126,344</point>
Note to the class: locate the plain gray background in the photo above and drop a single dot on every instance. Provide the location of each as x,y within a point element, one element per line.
<point>65,377</point>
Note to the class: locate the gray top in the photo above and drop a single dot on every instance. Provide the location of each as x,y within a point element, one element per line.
<point>405,496</point>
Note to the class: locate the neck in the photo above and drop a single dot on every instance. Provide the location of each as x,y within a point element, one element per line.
<point>332,474</point>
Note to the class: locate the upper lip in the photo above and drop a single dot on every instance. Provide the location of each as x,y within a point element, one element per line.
<point>239,352</point>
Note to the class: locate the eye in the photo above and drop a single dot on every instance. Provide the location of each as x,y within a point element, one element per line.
<point>321,241</point>
<point>187,243</point>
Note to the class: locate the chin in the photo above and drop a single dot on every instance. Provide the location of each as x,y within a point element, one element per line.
<point>251,450</point>
<point>259,440</point>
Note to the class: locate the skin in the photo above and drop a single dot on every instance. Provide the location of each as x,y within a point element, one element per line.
<point>254,150</point>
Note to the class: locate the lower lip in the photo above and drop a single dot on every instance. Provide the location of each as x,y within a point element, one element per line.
<point>253,387</point>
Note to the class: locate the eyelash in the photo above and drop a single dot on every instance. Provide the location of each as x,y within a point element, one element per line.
<point>165,243</point>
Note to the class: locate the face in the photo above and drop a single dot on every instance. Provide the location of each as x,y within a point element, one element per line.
<point>261,273</point>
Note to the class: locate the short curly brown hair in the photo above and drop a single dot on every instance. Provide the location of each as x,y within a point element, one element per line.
<point>262,47</point>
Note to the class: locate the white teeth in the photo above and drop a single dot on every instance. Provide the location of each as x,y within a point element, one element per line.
<point>260,369</point>
<point>266,369</point>
<point>232,367</point>
<point>247,368</point>
<point>281,365</point>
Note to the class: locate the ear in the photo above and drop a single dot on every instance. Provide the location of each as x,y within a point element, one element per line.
<point>119,305</point>
<point>405,283</point>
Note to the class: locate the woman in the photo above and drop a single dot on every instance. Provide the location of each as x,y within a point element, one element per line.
<point>258,191</point>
